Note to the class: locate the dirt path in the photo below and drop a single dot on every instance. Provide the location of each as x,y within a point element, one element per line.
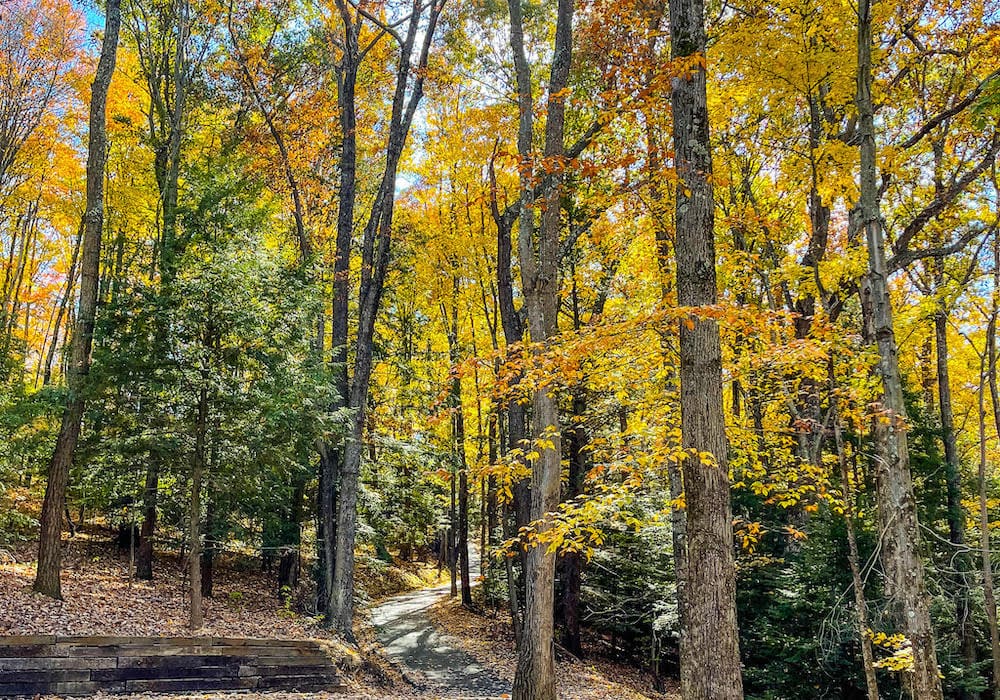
<point>430,658</point>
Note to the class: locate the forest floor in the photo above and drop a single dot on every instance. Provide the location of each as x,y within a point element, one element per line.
<point>452,652</point>
<point>100,598</point>
<point>489,639</point>
<point>428,657</point>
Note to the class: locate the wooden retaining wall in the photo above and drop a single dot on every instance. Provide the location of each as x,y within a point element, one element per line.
<point>84,665</point>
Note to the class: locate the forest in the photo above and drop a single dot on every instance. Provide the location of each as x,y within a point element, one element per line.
<point>659,337</point>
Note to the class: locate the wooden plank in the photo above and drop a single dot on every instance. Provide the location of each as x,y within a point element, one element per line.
<point>270,651</point>
<point>26,640</point>
<point>44,676</point>
<point>46,664</point>
<point>189,650</point>
<point>15,689</point>
<point>114,640</point>
<point>135,674</point>
<point>294,661</point>
<point>300,683</point>
<point>175,684</point>
<point>264,642</point>
<point>60,688</point>
<point>59,662</point>
<point>103,640</point>
<point>288,670</point>
<point>78,650</point>
<point>130,646</point>
<point>19,651</point>
<point>179,661</point>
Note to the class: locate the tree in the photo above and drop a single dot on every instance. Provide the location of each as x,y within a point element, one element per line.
<point>539,259</point>
<point>897,512</point>
<point>341,468</point>
<point>710,656</point>
<point>49,544</point>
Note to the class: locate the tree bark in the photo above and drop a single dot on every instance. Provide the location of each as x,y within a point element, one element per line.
<point>49,555</point>
<point>463,501</point>
<point>208,549</point>
<point>664,234</point>
<point>61,311</point>
<point>331,455</point>
<point>167,77</point>
<point>710,652</point>
<point>197,618</point>
<point>900,545</point>
<point>853,558</point>
<point>460,461</point>
<point>964,626</point>
<point>572,564</point>
<point>984,518</point>
<point>453,529</point>
<point>375,256</point>
<point>144,553</point>
<point>534,678</point>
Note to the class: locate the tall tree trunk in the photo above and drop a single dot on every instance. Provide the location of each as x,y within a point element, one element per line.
<point>331,455</point>
<point>900,545</point>
<point>375,257</point>
<point>853,558</point>
<point>463,505</point>
<point>166,117</point>
<point>144,553</point>
<point>213,528</point>
<point>459,458</point>
<point>664,243</point>
<point>964,625</point>
<point>571,561</point>
<point>710,652</point>
<point>534,678</point>
<point>290,563</point>
<point>61,311</point>
<point>989,592</point>
<point>453,530</point>
<point>209,547</point>
<point>197,619</point>
<point>513,331</point>
<point>49,555</point>
<point>984,517</point>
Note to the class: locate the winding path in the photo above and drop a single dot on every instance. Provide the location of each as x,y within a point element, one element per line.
<point>435,661</point>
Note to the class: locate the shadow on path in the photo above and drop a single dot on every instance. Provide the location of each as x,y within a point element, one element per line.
<point>411,640</point>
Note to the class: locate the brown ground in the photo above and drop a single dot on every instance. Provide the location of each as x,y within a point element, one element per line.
<point>100,599</point>
<point>490,640</point>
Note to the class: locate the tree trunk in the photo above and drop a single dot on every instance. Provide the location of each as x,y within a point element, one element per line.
<point>571,563</point>
<point>197,618</point>
<point>709,638</point>
<point>710,653</point>
<point>853,558</point>
<point>900,546</point>
<point>534,678</point>
<point>964,626</point>
<point>290,564</point>
<point>487,564</point>
<point>984,518</point>
<point>330,455</point>
<point>453,531</point>
<point>460,460</point>
<point>49,555</point>
<point>61,311</point>
<point>208,549</point>
<point>664,241</point>
<point>144,554</point>
<point>463,518</point>
<point>375,257</point>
